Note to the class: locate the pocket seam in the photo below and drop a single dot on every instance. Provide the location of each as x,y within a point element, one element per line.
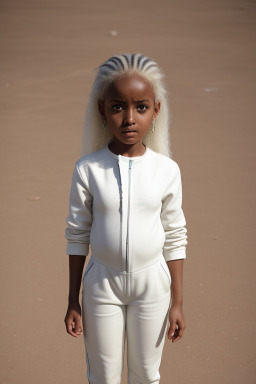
<point>169,279</point>
<point>86,273</point>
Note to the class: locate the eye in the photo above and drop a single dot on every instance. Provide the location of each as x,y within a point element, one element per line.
<point>117,107</point>
<point>142,107</point>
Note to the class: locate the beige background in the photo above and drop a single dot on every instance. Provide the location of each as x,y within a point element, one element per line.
<point>207,51</point>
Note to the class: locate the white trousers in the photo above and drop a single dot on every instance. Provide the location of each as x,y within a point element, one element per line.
<point>115,304</point>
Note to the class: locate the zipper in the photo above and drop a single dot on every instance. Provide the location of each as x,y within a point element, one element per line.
<point>128,215</point>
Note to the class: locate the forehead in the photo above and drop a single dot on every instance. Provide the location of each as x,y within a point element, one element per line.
<point>130,87</point>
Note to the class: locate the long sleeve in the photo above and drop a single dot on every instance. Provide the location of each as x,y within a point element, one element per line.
<point>80,216</point>
<point>173,220</point>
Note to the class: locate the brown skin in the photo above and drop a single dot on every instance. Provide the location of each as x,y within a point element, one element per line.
<point>128,107</point>
<point>73,316</point>
<point>176,316</point>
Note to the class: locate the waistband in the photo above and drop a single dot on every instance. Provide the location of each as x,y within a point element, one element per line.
<point>95,259</point>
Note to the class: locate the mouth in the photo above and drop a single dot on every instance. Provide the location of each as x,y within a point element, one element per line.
<point>129,131</point>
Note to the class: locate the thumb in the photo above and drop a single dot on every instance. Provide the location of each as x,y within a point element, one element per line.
<point>172,329</point>
<point>70,327</point>
<point>78,327</point>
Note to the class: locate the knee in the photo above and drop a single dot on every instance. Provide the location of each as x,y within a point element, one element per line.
<point>143,376</point>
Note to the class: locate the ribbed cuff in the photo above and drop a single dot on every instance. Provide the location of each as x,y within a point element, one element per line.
<point>77,249</point>
<point>174,254</point>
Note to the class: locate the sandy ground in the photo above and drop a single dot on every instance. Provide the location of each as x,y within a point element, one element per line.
<point>207,50</point>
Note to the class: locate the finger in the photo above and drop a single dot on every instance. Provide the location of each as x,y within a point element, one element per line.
<point>171,331</point>
<point>70,328</point>
<point>78,327</point>
<point>179,333</point>
<point>77,324</point>
<point>181,328</point>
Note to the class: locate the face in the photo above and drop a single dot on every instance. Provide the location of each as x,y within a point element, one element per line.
<point>129,107</point>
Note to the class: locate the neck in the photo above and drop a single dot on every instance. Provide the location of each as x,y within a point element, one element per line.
<point>133,150</point>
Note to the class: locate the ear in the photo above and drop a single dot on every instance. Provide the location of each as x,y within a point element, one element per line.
<point>156,109</point>
<point>101,109</point>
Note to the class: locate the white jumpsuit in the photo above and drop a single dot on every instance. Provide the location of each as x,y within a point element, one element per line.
<point>130,211</point>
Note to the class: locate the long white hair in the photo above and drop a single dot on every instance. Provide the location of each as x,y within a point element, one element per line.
<point>95,137</point>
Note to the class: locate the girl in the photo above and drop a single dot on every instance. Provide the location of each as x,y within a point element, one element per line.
<point>125,201</point>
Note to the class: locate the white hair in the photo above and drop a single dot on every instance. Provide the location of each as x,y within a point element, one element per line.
<point>95,137</point>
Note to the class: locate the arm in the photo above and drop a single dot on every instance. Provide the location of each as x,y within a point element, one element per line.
<point>78,235</point>
<point>80,215</point>
<point>176,316</point>
<point>73,315</point>
<point>173,219</point>
<point>174,251</point>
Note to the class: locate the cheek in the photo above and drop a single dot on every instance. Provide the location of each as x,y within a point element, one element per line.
<point>114,120</point>
<point>145,120</point>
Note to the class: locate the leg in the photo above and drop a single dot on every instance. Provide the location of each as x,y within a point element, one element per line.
<point>104,328</point>
<point>147,320</point>
<point>104,343</point>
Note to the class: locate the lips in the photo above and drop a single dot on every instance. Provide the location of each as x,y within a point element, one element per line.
<point>129,131</point>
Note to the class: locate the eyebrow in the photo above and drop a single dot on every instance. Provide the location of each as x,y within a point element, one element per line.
<point>122,101</point>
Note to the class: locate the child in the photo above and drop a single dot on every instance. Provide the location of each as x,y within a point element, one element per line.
<point>125,201</point>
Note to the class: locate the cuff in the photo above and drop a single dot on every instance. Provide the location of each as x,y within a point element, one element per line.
<point>77,249</point>
<point>176,254</point>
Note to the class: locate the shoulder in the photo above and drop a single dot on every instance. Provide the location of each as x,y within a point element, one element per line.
<point>92,159</point>
<point>90,163</point>
<point>166,163</point>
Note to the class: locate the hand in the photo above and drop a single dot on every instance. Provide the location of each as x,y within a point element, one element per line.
<point>177,323</point>
<point>73,320</point>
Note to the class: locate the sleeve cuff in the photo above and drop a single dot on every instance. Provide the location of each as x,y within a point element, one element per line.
<point>77,249</point>
<point>174,254</point>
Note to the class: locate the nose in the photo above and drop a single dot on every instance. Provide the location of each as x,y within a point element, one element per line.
<point>129,116</point>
